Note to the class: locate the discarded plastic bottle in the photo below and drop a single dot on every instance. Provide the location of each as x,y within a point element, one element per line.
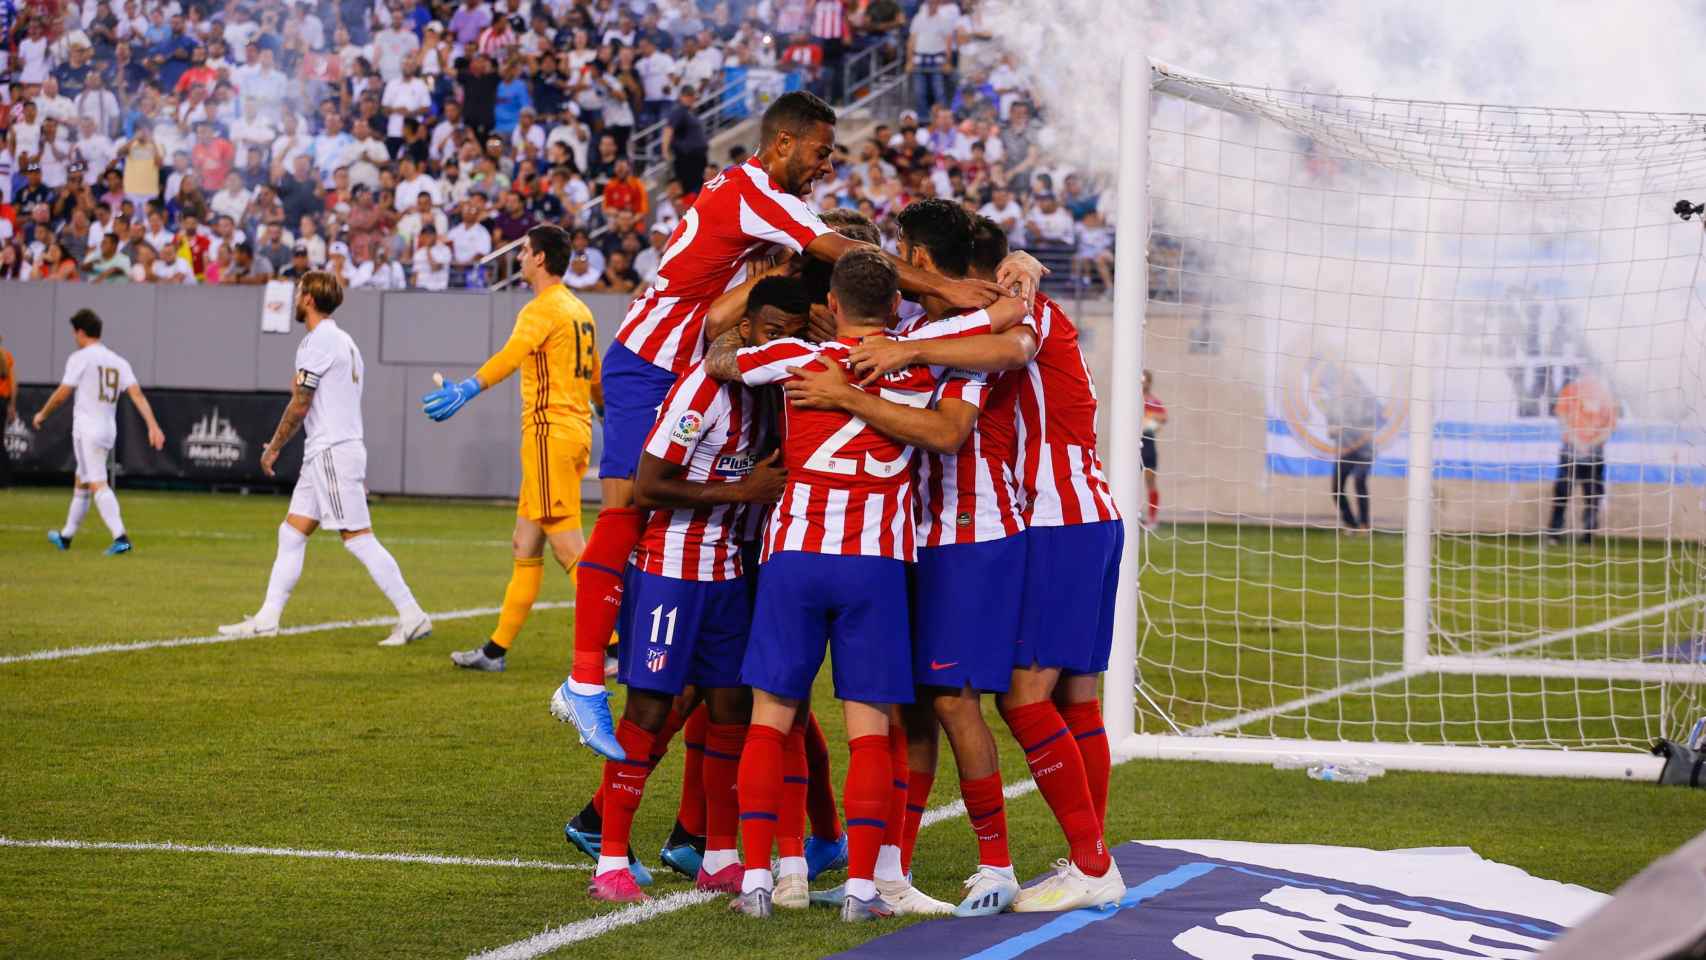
<point>1344,772</point>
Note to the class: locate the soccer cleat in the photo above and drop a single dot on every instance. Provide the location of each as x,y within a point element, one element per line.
<point>681,858</point>
<point>753,903</point>
<point>638,871</point>
<point>59,540</point>
<point>1070,889</point>
<point>118,547</point>
<point>590,713</point>
<point>988,892</point>
<point>829,898</point>
<point>616,886</point>
<point>407,630</point>
<point>823,856</point>
<point>904,899</point>
<point>855,910</point>
<point>726,880</point>
<point>586,841</point>
<point>793,892</point>
<point>476,659</point>
<point>249,627</point>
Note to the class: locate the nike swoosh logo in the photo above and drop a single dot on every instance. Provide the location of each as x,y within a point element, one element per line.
<point>943,666</point>
<point>628,776</point>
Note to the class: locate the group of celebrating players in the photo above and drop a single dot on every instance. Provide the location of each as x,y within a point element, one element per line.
<point>893,457</point>
<point>807,443</point>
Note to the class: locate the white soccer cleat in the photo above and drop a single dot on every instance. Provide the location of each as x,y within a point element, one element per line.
<point>250,627</point>
<point>988,892</point>
<point>1071,889</point>
<point>907,900</point>
<point>792,892</point>
<point>408,630</point>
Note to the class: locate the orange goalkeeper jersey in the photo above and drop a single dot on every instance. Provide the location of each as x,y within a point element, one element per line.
<point>554,344</point>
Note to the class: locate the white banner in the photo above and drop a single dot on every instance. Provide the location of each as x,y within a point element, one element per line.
<point>275,306</point>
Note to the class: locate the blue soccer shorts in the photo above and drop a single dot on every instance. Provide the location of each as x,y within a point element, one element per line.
<point>680,632</point>
<point>966,599</point>
<point>858,603</point>
<point>634,391</point>
<point>1071,576</point>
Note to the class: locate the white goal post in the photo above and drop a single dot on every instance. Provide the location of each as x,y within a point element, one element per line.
<point>1469,633</point>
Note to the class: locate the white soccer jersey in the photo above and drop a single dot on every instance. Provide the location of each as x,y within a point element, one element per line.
<point>99,376</point>
<point>329,362</point>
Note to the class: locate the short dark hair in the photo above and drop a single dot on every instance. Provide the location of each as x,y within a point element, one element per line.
<point>865,284</point>
<point>553,242</point>
<point>87,322</point>
<point>794,113</point>
<point>786,294</point>
<point>942,227</point>
<point>988,245</point>
<point>849,223</point>
<point>244,248</point>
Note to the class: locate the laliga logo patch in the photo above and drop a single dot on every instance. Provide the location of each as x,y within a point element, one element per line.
<point>656,657</point>
<point>963,520</point>
<point>687,427</point>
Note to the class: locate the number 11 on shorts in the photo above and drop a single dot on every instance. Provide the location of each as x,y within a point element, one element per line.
<point>669,630</point>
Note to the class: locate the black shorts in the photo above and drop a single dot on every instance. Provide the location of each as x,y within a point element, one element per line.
<point>1150,459</point>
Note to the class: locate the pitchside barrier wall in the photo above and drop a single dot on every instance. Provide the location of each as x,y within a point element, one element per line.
<point>209,338</point>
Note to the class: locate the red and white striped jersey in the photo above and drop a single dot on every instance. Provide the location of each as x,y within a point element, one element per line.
<point>1058,466</point>
<point>972,495</point>
<point>829,20</point>
<point>709,427</point>
<point>849,487</point>
<point>739,213</point>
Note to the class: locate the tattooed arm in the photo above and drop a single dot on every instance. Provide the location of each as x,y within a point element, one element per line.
<point>301,396</point>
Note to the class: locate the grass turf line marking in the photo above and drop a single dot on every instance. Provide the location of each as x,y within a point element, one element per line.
<point>1406,673</point>
<point>66,653</point>
<point>247,851</point>
<point>558,937</point>
<point>581,930</point>
<point>231,535</point>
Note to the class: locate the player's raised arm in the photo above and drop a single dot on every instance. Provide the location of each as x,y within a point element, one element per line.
<point>963,293</point>
<point>988,341</point>
<point>156,437</point>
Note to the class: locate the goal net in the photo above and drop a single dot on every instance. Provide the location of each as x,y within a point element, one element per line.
<point>1432,464</point>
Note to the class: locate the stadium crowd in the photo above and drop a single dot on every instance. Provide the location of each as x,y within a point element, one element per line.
<point>395,143</point>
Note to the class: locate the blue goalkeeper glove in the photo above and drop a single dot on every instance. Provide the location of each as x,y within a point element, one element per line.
<point>441,404</point>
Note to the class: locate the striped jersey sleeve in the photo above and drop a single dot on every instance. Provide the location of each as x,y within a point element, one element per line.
<point>775,361</point>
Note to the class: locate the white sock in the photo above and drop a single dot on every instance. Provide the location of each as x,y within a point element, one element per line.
<point>286,570</point>
<point>861,889</point>
<point>757,880</point>
<point>888,863</point>
<point>107,503</point>
<point>716,861</point>
<point>74,516</point>
<point>382,567</point>
<point>609,864</point>
<point>792,867</point>
<point>585,689</point>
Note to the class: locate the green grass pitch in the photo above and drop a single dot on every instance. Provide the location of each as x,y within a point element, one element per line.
<point>325,741</point>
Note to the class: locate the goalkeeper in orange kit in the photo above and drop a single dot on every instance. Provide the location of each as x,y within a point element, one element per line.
<point>553,345</point>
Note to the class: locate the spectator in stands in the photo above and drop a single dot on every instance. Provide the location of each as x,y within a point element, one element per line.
<point>246,267</point>
<point>106,265</point>
<point>624,191</point>
<point>298,265</point>
<point>1095,252</point>
<point>479,94</point>
<point>581,274</point>
<point>1048,224</point>
<point>930,52</point>
<point>686,143</point>
<point>618,276</point>
<point>646,264</point>
<point>431,259</point>
<point>469,241</point>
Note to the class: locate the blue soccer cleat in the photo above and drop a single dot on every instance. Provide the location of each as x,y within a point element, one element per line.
<point>59,540</point>
<point>642,876</point>
<point>586,841</point>
<point>590,713</point>
<point>119,546</point>
<point>823,856</point>
<point>682,858</point>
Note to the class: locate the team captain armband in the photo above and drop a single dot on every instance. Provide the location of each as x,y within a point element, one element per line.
<point>308,379</point>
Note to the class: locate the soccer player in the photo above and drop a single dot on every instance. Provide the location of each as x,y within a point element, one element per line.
<point>1073,539</point>
<point>746,210</point>
<point>1154,418</point>
<point>554,346</point>
<point>835,566</point>
<point>687,606</point>
<point>968,530</point>
<point>97,376</point>
<point>332,490</point>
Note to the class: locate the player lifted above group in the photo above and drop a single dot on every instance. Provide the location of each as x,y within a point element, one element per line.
<point>786,448</point>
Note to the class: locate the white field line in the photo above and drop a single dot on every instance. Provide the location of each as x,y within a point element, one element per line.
<point>247,851</point>
<point>271,536</point>
<point>582,930</point>
<point>66,653</point>
<point>1405,673</point>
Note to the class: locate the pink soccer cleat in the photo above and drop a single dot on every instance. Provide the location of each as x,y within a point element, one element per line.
<point>617,886</point>
<point>726,880</point>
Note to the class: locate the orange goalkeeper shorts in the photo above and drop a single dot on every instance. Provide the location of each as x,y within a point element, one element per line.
<point>551,472</point>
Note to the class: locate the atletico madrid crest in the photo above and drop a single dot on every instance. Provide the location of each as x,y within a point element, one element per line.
<point>656,657</point>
